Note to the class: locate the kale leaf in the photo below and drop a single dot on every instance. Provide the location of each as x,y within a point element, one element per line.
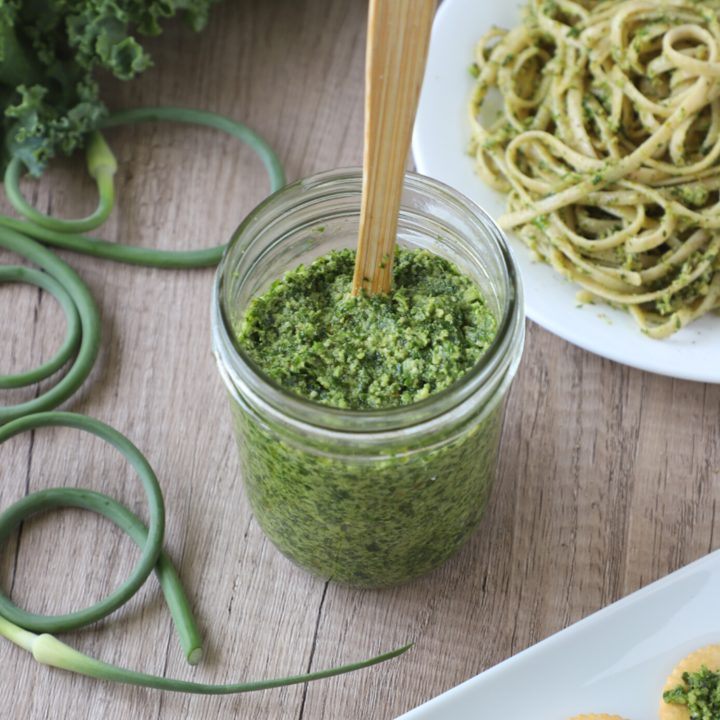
<point>48,51</point>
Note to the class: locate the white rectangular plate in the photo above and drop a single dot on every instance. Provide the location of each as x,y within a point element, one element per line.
<point>615,661</point>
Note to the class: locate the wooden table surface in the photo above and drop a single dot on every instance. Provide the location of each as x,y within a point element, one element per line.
<point>609,477</point>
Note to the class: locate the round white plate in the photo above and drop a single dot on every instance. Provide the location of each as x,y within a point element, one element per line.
<point>440,139</point>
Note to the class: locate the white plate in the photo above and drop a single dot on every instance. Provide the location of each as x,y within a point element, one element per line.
<point>615,661</point>
<point>442,132</point>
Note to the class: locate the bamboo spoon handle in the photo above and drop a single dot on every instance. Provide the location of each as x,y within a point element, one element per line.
<point>397,45</point>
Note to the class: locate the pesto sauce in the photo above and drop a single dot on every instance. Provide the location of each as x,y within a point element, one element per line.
<point>308,333</point>
<point>386,516</point>
<point>367,521</point>
<point>700,692</point>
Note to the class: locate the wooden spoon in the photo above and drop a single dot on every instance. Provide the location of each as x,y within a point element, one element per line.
<point>397,46</point>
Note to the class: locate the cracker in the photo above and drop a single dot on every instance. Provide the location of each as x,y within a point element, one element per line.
<point>709,656</point>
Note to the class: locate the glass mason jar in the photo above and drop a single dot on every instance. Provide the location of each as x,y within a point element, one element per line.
<point>366,498</point>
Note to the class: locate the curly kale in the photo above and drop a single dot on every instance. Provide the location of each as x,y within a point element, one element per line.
<point>48,51</point>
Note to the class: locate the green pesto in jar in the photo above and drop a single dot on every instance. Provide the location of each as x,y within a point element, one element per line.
<point>308,333</point>
<point>369,515</point>
<point>700,692</point>
<point>368,521</point>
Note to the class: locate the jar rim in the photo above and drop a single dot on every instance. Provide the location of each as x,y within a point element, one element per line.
<point>485,375</point>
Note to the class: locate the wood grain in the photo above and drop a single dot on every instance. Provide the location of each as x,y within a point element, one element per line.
<point>609,477</point>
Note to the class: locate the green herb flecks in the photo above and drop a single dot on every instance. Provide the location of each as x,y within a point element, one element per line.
<point>309,334</point>
<point>700,692</point>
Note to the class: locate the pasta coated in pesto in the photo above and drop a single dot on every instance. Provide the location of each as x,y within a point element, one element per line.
<point>607,146</point>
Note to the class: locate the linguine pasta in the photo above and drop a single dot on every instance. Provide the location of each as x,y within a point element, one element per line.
<point>607,145</point>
